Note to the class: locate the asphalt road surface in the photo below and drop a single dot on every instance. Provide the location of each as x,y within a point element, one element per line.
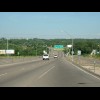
<point>56,72</point>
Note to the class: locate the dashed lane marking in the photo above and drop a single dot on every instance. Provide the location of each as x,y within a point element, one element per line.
<point>46,72</point>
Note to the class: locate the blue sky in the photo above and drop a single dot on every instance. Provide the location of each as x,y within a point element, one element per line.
<point>50,25</point>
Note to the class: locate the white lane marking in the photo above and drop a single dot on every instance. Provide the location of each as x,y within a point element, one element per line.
<point>85,71</point>
<point>46,72</point>
<point>3,74</point>
<point>19,63</point>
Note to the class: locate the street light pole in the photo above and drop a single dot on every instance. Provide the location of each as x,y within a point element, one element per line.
<point>7,48</point>
<point>7,43</point>
<point>72,45</point>
<point>72,49</point>
<point>36,51</point>
<point>46,48</point>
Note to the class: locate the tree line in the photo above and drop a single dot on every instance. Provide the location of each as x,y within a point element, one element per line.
<point>35,46</point>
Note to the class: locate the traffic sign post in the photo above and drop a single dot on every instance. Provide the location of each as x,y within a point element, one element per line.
<point>94,66</point>
<point>79,53</point>
<point>72,44</point>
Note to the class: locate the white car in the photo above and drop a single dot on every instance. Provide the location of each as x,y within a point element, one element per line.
<point>46,57</point>
<point>55,56</point>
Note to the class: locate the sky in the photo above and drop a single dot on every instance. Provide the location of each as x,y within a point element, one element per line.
<point>50,25</point>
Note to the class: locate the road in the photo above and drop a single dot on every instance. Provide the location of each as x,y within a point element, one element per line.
<point>46,73</point>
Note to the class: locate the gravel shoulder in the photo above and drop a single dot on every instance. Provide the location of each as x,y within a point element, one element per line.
<point>88,63</point>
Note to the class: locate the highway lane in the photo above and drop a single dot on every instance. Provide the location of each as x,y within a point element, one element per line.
<point>48,73</point>
<point>19,74</point>
<point>64,74</point>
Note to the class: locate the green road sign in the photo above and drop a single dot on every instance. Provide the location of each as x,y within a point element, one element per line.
<point>58,47</point>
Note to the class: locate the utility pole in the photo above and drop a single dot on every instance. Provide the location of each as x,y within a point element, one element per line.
<point>7,43</point>
<point>72,44</point>
<point>7,48</point>
<point>72,49</point>
<point>36,49</point>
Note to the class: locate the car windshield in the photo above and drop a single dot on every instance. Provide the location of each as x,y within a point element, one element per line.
<point>45,55</point>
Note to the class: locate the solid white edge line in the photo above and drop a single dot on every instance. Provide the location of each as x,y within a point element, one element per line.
<point>84,71</point>
<point>46,72</point>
